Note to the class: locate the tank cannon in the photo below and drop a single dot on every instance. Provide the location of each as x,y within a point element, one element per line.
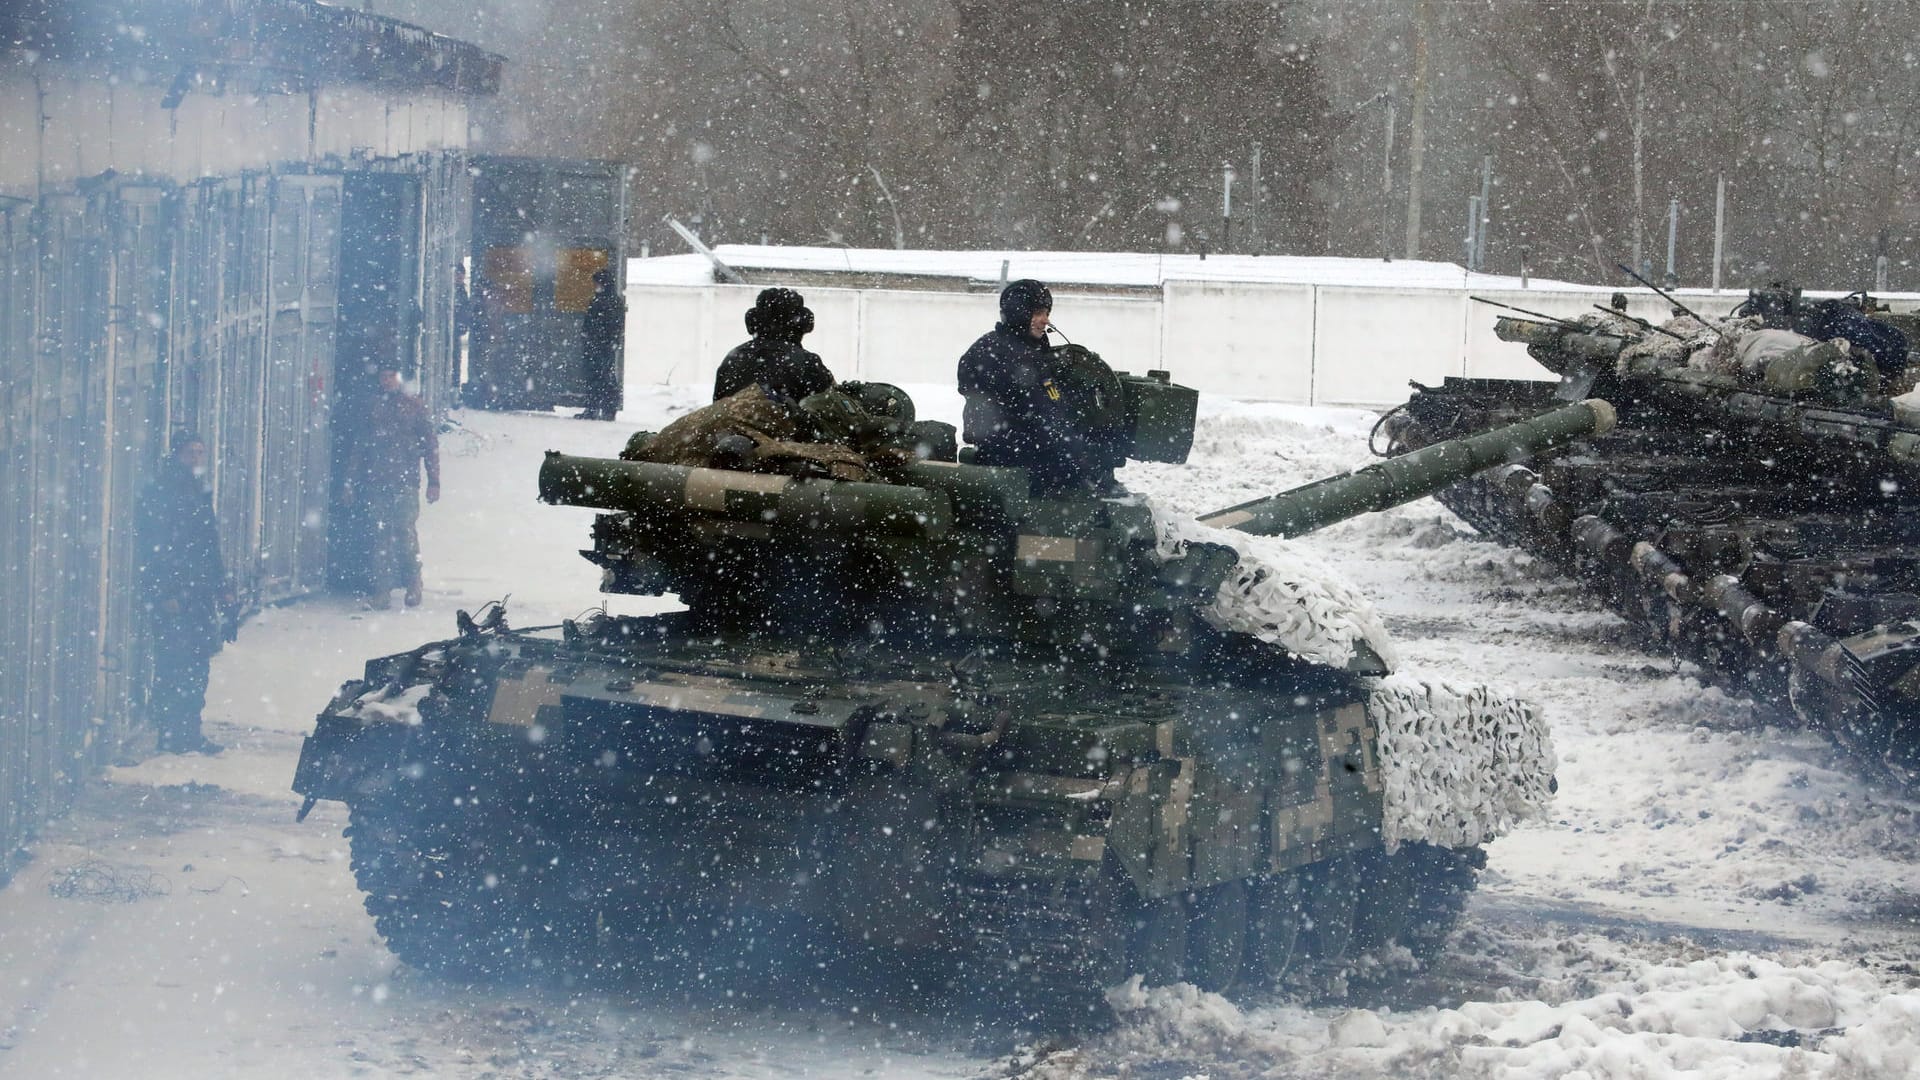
<point>974,728</point>
<point>1754,509</point>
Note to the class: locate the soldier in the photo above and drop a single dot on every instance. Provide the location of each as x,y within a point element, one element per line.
<point>185,592</point>
<point>383,479</point>
<point>606,325</point>
<point>774,359</point>
<point>1021,408</point>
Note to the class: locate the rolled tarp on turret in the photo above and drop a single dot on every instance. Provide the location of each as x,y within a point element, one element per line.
<point>755,498</point>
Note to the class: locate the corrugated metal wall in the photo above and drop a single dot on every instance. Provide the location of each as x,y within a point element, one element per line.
<point>18,280</point>
<point>129,310</point>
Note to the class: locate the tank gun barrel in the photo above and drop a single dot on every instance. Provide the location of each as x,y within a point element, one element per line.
<point>1411,476</point>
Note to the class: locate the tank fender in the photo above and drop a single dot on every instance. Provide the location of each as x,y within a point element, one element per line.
<point>346,757</point>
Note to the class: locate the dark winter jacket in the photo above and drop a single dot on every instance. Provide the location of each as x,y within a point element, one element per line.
<point>606,323</point>
<point>1017,415</point>
<point>781,366</point>
<point>178,541</point>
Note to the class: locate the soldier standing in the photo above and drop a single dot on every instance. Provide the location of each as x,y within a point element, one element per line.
<point>185,592</point>
<point>606,325</point>
<point>383,479</point>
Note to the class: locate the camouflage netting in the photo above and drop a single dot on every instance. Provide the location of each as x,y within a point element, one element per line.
<point>1282,595</point>
<point>1462,763</point>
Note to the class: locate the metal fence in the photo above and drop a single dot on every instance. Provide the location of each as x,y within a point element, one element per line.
<point>128,310</point>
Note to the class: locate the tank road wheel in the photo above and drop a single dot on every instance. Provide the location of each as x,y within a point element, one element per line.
<point>1329,891</point>
<point>1384,905</point>
<point>1413,897</point>
<point>1275,917</point>
<point>1217,937</point>
<point>1050,948</point>
<point>1158,943</point>
<point>1442,878</point>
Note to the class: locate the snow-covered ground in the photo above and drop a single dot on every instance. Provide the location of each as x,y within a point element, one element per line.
<point>1711,897</point>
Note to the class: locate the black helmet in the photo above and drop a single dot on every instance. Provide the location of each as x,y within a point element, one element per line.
<point>780,313</point>
<point>1020,299</point>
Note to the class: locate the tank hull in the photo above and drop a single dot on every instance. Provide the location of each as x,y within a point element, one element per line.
<point>522,800</point>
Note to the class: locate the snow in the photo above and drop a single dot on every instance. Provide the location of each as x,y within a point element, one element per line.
<point>1707,896</point>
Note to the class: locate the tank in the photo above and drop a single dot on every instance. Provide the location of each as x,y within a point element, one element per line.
<point>1753,512</point>
<point>976,733</point>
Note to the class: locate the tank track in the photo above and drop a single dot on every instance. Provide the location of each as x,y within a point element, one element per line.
<point>1052,945</point>
<point>480,898</point>
<point>1750,561</point>
<point>463,899</point>
<point>1055,946</point>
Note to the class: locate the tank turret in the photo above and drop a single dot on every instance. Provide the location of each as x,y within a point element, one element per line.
<point>957,550</point>
<point>1027,739</point>
<point>1752,511</point>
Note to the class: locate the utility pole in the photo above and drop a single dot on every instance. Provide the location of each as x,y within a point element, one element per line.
<point>1386,188</point>
<point>1486,213</point>
<point>1417,125</point>
<point>1673,230</point>
<point>1473,227</point>
<point>1226,207</point>
<point>1719,225</point>
<point>1257,232</point>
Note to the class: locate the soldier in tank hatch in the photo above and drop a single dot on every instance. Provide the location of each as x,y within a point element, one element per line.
<point>1021,406</point>
<point>185,592</point>
<point>774,358</point>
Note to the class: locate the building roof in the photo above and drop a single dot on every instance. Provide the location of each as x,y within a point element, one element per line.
<point>1099,271</point>
<point>1118,271</point>
<point>295,41</point>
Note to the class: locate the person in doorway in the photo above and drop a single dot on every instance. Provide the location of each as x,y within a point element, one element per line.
<point>184,589</point>
<point>606,325</point>
<point>773,358</point>
<point>383,480</point>
<point>1022,406</point>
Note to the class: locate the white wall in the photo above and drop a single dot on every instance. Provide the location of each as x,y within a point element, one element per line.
<point>1256,339</point>
<point>1305,344</point>
<point>1302,344</point>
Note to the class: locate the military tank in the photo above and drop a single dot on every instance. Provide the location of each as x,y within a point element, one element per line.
<point>975,730</point>
<point>1754,511</point>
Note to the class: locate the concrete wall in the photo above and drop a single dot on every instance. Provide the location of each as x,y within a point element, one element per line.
<point>1303,344</point>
